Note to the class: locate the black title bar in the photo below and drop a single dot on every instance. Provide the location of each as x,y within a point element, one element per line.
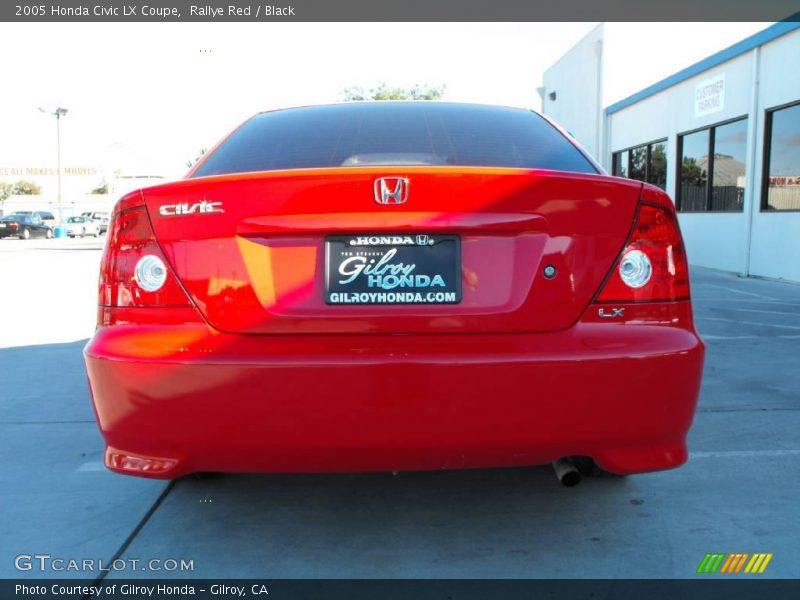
<point>397,10</point>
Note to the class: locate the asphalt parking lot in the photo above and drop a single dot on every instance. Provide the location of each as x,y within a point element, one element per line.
<point>738,493</point>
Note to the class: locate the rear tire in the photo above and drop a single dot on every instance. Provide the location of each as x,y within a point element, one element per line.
<point>49,234</point>
<point>26,234</point>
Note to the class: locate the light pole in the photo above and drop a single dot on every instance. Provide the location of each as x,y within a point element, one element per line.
<point>58,112</point>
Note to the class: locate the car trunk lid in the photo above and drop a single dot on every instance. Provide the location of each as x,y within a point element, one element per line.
<point>250,249</point>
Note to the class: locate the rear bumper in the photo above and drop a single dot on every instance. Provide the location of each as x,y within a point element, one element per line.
<point>188,398</point>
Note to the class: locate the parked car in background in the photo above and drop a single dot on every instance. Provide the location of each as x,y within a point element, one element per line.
<point>45,215</point>
<point>24,226</point>
<point>47,218</point>
<point>99,217</point>
<point>81,227</point>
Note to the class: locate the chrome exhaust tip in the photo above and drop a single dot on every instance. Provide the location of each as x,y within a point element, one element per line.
<point>566,472</point>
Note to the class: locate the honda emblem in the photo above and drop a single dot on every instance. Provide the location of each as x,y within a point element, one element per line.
<point>391,190</point>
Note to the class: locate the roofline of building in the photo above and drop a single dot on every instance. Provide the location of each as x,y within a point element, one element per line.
<point>578,43</point>
<point>758,39</point>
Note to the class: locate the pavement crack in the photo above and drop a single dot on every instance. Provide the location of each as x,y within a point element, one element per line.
<point>134,532</point>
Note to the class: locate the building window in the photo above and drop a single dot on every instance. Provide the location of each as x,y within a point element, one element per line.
<point>693,189</point>
<point>657,164</point>
<point>782,160</point>
<point>638,163</point>
<point>647,162</point>
<point>711,174</point>
<point>620,168</point>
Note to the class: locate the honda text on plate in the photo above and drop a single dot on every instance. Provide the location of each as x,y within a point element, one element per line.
<point>393,286</point>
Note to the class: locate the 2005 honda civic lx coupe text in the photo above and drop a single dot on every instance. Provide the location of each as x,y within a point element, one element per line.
<point>394,286</point>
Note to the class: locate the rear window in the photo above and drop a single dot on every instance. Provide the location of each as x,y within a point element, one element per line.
<point>395,133</point>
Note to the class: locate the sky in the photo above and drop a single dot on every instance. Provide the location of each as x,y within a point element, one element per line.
<point>147,97</point>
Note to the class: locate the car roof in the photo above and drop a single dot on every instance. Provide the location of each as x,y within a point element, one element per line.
<point>389,104</point>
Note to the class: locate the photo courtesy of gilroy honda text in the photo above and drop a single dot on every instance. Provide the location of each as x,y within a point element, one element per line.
<point>389,286</point>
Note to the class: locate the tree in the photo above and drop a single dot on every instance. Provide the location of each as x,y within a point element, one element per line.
<point>25,188</point>
<point>384,92</point>
<point>101,189</point>
<point>691,173</point>
<point>191,163</point>
<point>5,190</point>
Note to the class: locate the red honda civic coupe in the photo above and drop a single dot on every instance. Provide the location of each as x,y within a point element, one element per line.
<point>394,286</point>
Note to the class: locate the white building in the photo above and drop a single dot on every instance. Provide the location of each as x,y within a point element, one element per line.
<point>722,137</point>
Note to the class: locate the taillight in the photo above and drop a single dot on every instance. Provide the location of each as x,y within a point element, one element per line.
<point>150,273</point>
<point>652,267</point>
<point>133,270</point>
